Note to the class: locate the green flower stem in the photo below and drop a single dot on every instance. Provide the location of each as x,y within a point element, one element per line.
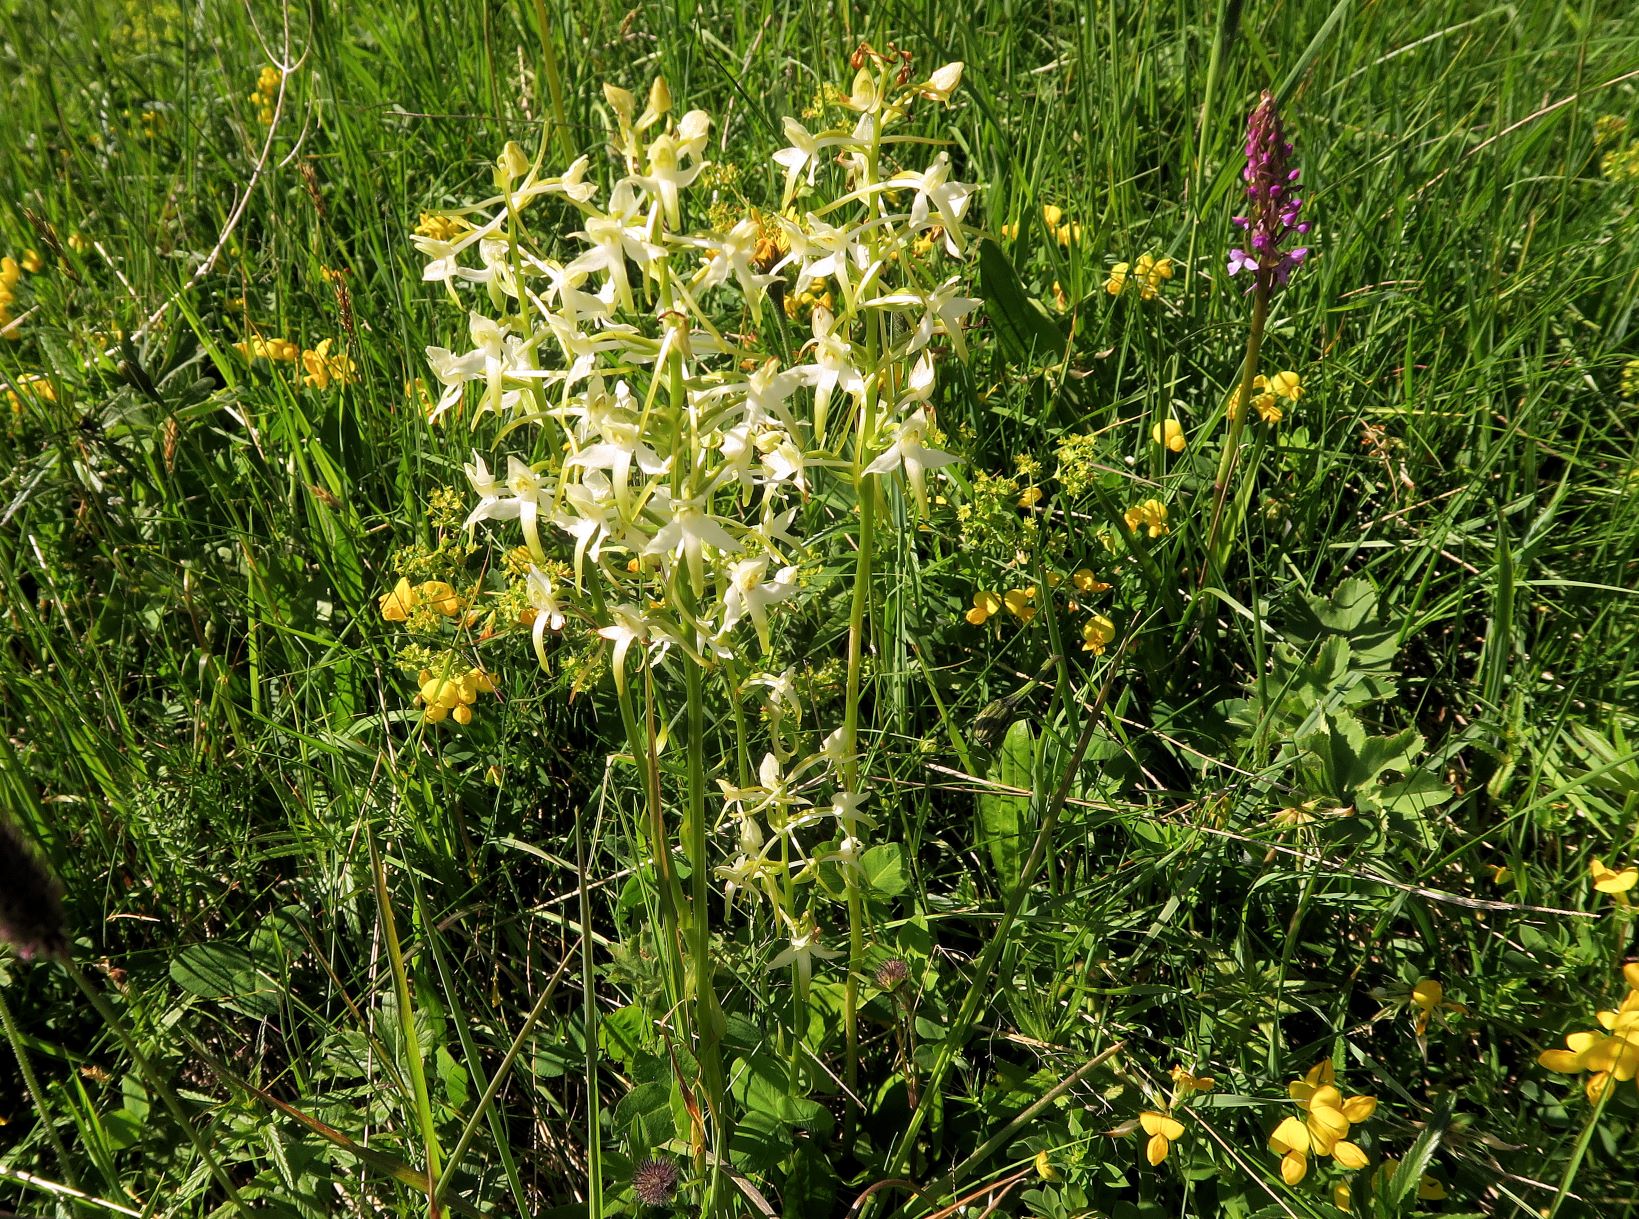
<point>154,1080</point>
<point>554,81</point>
<point>1211,561</point>
<point>13,1035</point>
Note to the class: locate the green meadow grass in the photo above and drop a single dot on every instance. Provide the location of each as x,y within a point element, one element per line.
<point>322,931</point>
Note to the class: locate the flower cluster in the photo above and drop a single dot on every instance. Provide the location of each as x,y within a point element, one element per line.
<point>1610,1051</point>
<point>452,694</point>
<point>1268,392</point>
<point>1022,603</point>
<point>1324,1128</point>
<point>1063,231</point>
<point>320,367</point>
<point>265,94</point>
<point>1273,203</point>
<point>1630,380</point>
<point>1619,156</point>
<point>405,598</point>
<point>677,460</point>
<point>1149,516</point>
<point>1161,1127</point>
<point>1150,273</point>
<point>1169,435</point>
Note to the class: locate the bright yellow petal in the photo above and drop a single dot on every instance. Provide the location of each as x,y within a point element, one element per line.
<point>1157,1149</point>
<point>1358,1108</point>
<point>1300,1091</point>
<point>1322,1073</point>
<point>1630,974</point>
<point>1581,1043</point>
<point>1429,1189</point>
<point>1340,1197</point>
<point>1562,1061</point>
<point>1595,1087</point>
<point>1349,1156</point>
<point>1290,1135</point>
<point>1294,1166</point>
<point>1428,994</point>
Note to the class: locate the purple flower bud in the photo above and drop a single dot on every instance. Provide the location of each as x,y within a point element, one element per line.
<point>1272,188</point>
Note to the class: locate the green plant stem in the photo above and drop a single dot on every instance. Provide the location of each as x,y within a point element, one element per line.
<point>980,985</point>
<point>589,1028</point>
<point>26,1067</point>
<point>554,81</point>
<point>406,1022</point>
<point>1240,407</point>
<point>154,1080</point>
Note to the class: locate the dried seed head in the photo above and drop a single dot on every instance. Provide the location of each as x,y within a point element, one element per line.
<point>655,1182</point>
<point>31,900</point>
<point>892,973</point>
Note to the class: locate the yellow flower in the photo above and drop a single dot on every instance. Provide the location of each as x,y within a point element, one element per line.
<point>1019,603</point>
<point>1325,1130</point>
<point>452,696</point>
<point>1010,231</point>
<point>32,262</point>
<point>399,604</point>
<point>1045,1169</point>
<point>440,227</point>
<point>10,272</point>
<point>1609,880</point>
<point>1287,384</point>
<point>1164,1130</point>
<point>440,597</point>
<point>1152,272</point>
<point>1187,1083</point>
<point>1051,215</point>
<point>1086,582</point>
<point>985,603</point>
<point>1030,497</point>
<point>322,368</point>
<point>1118,278</point>
<point>1501,874</point>
<point>1096,634</point>
<point>1151,515</point>
<point>1169,434</point>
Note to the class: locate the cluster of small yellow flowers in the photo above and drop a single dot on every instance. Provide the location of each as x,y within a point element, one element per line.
<point>440,227</point>
<point>1160,1125</point>
<point>35,386</point>
<point>267,89</point>
<point>321,369</point>
<point>1150,273</point>
<point>1063,231</point>
<point>11,274</point>
<point>258,348</point>
<point>1428,1188</point>
<point>437,595</point>
<point>1620,162</point>
<point>1150,516</point>
<point>1630,379</point>
<point>1324,1130</point>
<point>1615,881</point>
<point>1169,435</point>
<point>1609,1052</point>
<point>452,696</point>
<point>1269,391</point>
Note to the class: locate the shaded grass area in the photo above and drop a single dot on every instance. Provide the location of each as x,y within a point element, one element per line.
<point>207,725</point>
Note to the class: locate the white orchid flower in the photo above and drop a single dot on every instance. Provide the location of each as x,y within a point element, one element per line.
<point>908,451</point>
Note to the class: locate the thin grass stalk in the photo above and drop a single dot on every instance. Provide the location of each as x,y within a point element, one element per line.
<point>406,1023</point>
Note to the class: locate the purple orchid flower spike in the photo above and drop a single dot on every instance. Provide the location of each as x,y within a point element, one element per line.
<point>1273,203</point>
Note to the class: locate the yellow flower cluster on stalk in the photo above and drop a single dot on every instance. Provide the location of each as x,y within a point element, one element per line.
<point>1324,1128</point>
<point>1150,273</point>
<point>1610,1052</point>
<point>265,94</point>
<point>1065,232</point>
<point>452,696</point>
<point>1159,1125</point>
<point>320,367</point>
<point>1169,435</point>
<point>1149,516</point>
<point>1268,393</point>
<point>1021,603</point>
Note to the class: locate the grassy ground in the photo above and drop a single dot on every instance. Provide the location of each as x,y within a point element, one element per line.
<point>1385,746</point>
